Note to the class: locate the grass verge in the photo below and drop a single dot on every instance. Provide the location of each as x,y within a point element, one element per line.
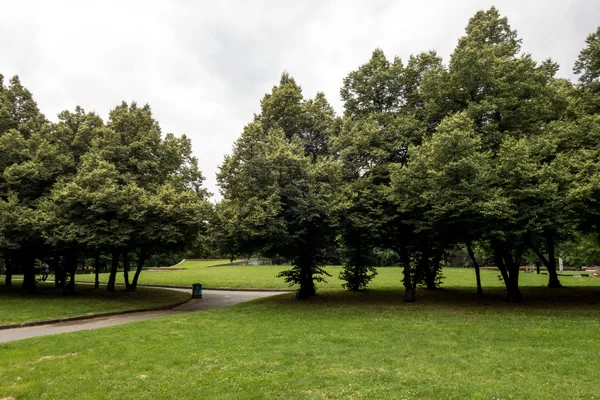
<point>49,303</point>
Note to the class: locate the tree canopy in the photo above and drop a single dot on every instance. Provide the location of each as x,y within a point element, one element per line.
<point>488,153</point>
<point>79,188</point>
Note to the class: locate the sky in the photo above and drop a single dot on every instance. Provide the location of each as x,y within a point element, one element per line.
<point>204,66</point>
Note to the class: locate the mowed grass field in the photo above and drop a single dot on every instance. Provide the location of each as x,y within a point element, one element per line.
<point>49,303</point>
<point>338,345</point>
<point>213,275</point>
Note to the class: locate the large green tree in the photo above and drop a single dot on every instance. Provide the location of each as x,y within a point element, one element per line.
<point>277,185</point>
<point>441,191</point>
<point>29,165</point>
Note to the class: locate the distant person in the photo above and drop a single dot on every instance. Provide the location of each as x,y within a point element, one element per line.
<point>45,271</point>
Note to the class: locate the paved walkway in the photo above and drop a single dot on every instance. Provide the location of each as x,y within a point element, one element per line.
<point>211,299</point>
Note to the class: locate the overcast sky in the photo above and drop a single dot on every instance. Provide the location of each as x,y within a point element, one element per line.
<point>204,66</point>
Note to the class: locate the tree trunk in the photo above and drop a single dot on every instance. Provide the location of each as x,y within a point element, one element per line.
<point>97,270</point>
<point>476,266</point>
<point>113,271</point>
<point>409,289</point>
<point>513,264</point>
<point>28,265</point>
<point>71,285</point>
<point>62,278</point>
<point>514,294</point>
<point>8,266</point>
<point>126,269</point>
<point>72,268</point>
<point>430,277</point>
<point>550,263</point>
<point>356,270</point>
<point>138,270</point>
<point>553,281</point>
<point>432,270</point>
<point>421,268</point>
<point>501,263</point>
<point>307,286</point>
<point>53,264</point>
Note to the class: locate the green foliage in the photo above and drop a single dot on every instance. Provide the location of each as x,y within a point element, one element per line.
<point>79,187</point>
<point>588,62</point>
<point>277,187</point>
<point>376,87</point>
<point>581,250</point>
<point>490,148</point>
<point>489,151</point>
<point>357,276</point>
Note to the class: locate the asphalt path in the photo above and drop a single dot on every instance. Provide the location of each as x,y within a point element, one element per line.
<point>210,299</point>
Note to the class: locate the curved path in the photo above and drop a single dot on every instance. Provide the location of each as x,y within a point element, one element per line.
<point>211,299</point>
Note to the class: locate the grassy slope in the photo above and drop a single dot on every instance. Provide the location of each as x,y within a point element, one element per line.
<point>338,345</point>
<point>16,307</point>
<point>265,277</point>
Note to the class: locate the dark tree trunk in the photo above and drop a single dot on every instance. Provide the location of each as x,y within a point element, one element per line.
<point>430,278</point>
<point>307,285</point>
<point>514,296</point>
<point>8,266</point>
<point>550,262</point>
<point>126,269</point>
<point>553,281</point>
<point>72,268</point>
<point>422,267</point>
<point>71,285</point>
<point>476,266</point>
<point>54,265</point>
<point>62,274</point>
<point>138,270</point>
<point>505,264</point>
<point>113,271</point>
<point>28,265</point>
<point>356,281</point>
<point>432,270</point>
<point>67,273</point>
<point>97,271</point>
<point>409,288</point>
<point>513,266</point>
<point>537,268</point>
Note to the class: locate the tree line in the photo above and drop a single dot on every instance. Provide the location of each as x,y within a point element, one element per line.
<point>491,153</point>
<point>114,192</point>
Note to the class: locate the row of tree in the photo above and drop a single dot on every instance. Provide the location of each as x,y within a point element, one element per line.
<point>81,188</point>
<point>490,152</point>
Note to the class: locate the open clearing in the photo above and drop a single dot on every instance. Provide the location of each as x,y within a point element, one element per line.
<point>265,277</point>
<point>338,345</point>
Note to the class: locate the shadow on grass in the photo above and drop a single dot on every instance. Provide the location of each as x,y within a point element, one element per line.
<point>543,298</point>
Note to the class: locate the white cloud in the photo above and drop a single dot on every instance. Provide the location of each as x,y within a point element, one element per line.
<point>204,66</point>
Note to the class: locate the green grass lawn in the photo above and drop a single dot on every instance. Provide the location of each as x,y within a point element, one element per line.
<point>264,277</point>
<point>339,345</point>
<point>49,303</point>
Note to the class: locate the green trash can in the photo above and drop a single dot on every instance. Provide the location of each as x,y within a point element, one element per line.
<point>196,291</point>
